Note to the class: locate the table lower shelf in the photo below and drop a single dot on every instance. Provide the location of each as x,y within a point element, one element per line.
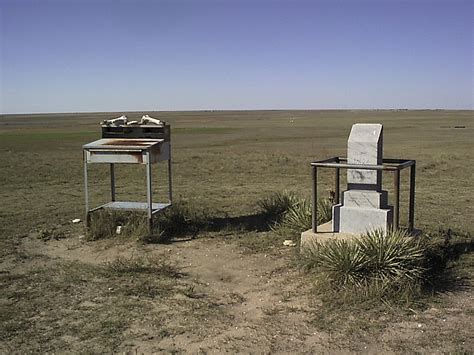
<point>124,205</point>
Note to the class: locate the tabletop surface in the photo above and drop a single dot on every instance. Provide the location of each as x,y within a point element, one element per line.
<point>123,144</point>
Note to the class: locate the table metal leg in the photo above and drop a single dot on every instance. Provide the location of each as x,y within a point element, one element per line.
<point>149,194</point>
<point>170,184</point>
<point>314,221</point>
<point>112,182</point>
<point>86,191</point>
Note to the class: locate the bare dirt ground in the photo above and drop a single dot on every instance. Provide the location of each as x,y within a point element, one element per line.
<point>235,301</point>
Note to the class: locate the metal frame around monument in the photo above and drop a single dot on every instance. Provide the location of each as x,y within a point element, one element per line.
<point>395,165</point>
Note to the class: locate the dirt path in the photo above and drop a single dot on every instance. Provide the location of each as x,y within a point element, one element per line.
<point>265,301</point>
<point>259,303</point>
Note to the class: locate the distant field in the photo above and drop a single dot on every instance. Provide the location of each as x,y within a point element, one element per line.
<point>226,160</point>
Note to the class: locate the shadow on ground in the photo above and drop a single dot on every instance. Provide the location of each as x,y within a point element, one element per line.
<point>259,222</point>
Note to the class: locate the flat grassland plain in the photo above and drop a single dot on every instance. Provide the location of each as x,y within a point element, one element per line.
<point>236,289</point>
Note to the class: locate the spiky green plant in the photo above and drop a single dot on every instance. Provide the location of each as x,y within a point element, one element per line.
<point>298,217</point>
<point>324,210</point>
<point>343,262</point>
<point>377,264</point>
<point>275,205</point>
<point>393,255</point>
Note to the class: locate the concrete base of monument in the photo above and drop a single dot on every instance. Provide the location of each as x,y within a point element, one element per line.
<point>349,219</point>
<point>325,233</point>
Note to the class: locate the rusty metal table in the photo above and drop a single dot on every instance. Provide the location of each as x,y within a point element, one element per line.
<point>128,151</point>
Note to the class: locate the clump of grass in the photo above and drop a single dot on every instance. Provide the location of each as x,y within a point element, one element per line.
<point>297,218</point>
<point>394,255</point>
<point>274,206</point>
<point>51,233</point>
<point>178,220</point>
<point>103,224</point>
<point>376,265</point>
<point>141,265</point>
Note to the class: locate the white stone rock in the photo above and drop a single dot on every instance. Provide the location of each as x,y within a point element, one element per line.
<point>289,243</point>
<point>364,146</point>
<point>77,220</point>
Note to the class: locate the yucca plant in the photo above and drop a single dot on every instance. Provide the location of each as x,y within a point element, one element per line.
<point>377,264</point>
<point>343,262</point>
<point>393,255</point>
<point>324,210</point>
<point>275,205</point>
<point>298,217</point>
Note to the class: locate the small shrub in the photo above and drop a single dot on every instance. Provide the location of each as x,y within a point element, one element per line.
<point>275,205</point>
<point>343,262</point>
<point>103,224</point>
<point>381,265</point>
<point>395,255</point>
<point>51,233</point>
<point>298,217</point>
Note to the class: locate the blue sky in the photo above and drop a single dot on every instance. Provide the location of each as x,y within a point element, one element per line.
<point>71,55</point>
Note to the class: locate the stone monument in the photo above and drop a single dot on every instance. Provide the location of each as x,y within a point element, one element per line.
<point>364,204</point>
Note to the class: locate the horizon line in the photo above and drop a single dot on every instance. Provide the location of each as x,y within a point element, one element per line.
<point>223,110</point>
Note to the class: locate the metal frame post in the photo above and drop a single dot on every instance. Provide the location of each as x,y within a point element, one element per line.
<point>314,220</point>
<point>411,208</point>
<point>149,193</point>
<point>396,190</point>
<point>170,187</point>
<point>336,185</point>
<point>86,191</point>
<point>112,181</point>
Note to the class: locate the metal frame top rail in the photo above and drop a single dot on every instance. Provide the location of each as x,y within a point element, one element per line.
<point>387,164</point>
